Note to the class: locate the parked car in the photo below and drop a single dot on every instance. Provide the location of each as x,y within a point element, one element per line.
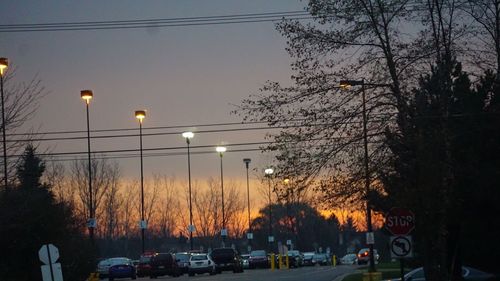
<point>321,259</point>
<point>468,273</point>
<point>295,258</point>
<point>349,259</point>
<point>121,268</point>
<point>226,259</point>
<point>183,261</point>
<point>143,268</point>
<point>364,256</point>
<point>201,263</point>
<point>164,264</point>
<point>258,258</point>
<point>244,259</point>
<point>308,257</point>
<point>103,268</point>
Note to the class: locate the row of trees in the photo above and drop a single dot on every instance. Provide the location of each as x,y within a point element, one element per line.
<point>431,73</point>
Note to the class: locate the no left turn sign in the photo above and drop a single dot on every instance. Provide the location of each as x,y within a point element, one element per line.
<point>401,246</point>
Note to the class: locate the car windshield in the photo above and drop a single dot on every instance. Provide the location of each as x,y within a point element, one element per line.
<point>182,256</point>
<point>144,259</point>
<point>259,253</point>
<point>245,257</point>
<point>199,258</point>
<point>104,262</point>
<point>319,256</point>
<point>116,261</point>
<point>293,253</point>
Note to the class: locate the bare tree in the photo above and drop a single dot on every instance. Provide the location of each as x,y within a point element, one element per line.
<point>169,206</point>
<point>104,177</point>
<point>21,102</point>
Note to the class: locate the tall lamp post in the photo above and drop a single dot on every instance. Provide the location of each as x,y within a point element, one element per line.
<point>270,238</point>
<point>223,233</point>
<point>249,234</point>
<point>140,115</point>
<point>369,235</point>
<point>188,136</point>
<point>4,64</point>
<point>87,95</point>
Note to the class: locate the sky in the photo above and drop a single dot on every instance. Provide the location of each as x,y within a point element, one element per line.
<point>181,75</point>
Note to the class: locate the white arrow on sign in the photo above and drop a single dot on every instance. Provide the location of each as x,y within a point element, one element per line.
<point>48,254</point>
<point>401,246</point>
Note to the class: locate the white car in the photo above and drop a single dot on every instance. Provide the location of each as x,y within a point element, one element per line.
<point>201,263</point>
<point>364,256</point>
<point>103,268</point>
<point>349,259</point>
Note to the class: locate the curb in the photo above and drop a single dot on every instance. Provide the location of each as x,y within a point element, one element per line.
<point>341,277</point>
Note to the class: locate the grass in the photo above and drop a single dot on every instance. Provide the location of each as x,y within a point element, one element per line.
<point>389,270</point>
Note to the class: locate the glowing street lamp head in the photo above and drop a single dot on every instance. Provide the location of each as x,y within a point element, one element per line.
<point>140,114</point>
<point>220,149</point>
<point>269,171</point>
<point>4,63</point>
<point>86,95</point>
<point>188,135</point>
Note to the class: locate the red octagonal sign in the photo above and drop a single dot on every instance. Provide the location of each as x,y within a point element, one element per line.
<point>399,221</point>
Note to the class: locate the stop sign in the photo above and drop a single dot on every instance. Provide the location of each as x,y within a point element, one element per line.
<point>399,221</point>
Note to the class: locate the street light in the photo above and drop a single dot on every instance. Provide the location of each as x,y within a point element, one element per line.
<point>87,95</point>
<point>223,233</point>
<point>269,172</point>
<point>346,84</point>
<point>4,64</point>
<point>140,115</point>
<point>188,136</point>
<point>249,234</point>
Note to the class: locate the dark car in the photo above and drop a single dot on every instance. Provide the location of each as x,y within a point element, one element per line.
<point>143,268</point>
<point>121,268</point>
<point>295,258</point>
<point>164,264</point>
<point>183,261</point>
<point>258,258</point>
<point>227,259</point>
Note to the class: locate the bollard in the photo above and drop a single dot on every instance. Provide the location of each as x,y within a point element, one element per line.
<point>94,276</point>
<point>334,260</point>
<point>272,261</point>
<point>287,259</point>
<point>280,261</point>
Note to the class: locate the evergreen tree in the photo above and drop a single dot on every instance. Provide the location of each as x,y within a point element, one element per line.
<point>30,217</point>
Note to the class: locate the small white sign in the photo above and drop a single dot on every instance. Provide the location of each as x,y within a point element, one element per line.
<point>56,272</point>
<point>91,223</point>
<point>289,242</point>
<point>48,254</point>
<point>249,235</point>
<point>370,238</point>
<point>143,224</point>
<point>191,228</point>
<point>401,246</point>
<point>328,250</point>
<point>223,232</point>
<point>270,239</point>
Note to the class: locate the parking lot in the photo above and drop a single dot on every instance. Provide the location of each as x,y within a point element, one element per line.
<point>316,273</point>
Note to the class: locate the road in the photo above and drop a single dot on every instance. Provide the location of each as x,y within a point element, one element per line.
<point>311,273</point>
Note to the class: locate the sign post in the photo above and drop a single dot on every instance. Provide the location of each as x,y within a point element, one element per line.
<point>51,271</point>
<point>400,222</point>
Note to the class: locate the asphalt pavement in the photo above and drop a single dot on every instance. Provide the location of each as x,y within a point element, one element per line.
<point>309,273</point>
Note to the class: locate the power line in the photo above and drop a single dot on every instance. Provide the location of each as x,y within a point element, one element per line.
<point>156,23</point>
